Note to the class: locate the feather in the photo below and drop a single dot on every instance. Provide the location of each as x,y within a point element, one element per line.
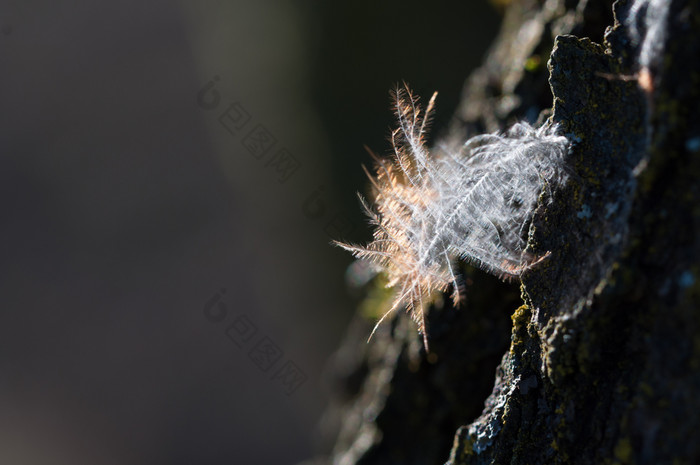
<point>473,204</point>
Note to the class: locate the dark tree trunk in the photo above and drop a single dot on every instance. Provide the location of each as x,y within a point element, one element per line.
<point>597,359</point>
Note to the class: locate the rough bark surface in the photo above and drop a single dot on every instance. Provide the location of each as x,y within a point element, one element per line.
<point>598,359</point>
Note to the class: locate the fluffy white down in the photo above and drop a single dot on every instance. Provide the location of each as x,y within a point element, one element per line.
<point>432,207</point>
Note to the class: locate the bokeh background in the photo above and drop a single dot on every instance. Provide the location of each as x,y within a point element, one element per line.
<point>127,207</point>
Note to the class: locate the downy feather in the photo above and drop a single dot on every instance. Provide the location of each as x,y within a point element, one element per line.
<point>431,208</point>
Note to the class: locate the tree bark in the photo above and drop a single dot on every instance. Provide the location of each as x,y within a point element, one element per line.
<point>597,359</point>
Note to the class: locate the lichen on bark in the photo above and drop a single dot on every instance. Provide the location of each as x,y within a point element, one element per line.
<point>598,359</point>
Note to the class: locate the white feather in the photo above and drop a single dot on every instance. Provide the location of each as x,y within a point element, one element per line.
<point>474,204</point>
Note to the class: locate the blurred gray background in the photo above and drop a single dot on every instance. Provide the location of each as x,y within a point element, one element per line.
<point>127,207</point>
